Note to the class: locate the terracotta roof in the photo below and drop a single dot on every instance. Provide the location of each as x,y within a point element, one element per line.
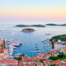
<point>20,64</point>
<point>56,43</point>
<point>29,60</point>
<point>47,61</point>
<point>38,56</point>
<point>64,60</point>
<point>1,51</point>
<point>39,63</point>
<point>62,47</point>
<point>64,41</point>
<point>57,61</point>
<point>8,61</point>
<point>15,65</point>
<point>0,40</point>
<point>47,54</point>
<point>63,64</point>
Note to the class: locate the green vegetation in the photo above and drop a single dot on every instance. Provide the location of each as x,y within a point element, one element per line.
<point>18,58</point>
<point>56,38</point>
<point>51,61</point>
<point>30,25</point>
<point>38,25</point>
<point>52,24</point>
<point>4,43</point>
<point>53,65</point>
<point>61,37</point>
<point>53,58</point>
<point>21,26</point>
<point>22,55</point>
<point>26,60</point>
<point>61,56</point>
<point>41,61</point>
<point>28,30</point>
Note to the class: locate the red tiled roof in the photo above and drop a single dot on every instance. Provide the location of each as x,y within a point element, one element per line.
<point>29,60</point>
<point>56,50</point>
<point>47,54</point>
<point>1,51</point>
<point>47,61</point>
<point>0,40</point>
<point>57,61</point>
<point>63,64</point>
<point>39,63</point>
<point>8,61</point>
<point>15,65</point>
<point>20,64</point>
<point>56,43</point>
<point>38,55</point>
<point>64,60</point>
<point>62,47</point>
<point>64,41</point>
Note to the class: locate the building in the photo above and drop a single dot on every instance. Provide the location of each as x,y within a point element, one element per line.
<point>8,62</point>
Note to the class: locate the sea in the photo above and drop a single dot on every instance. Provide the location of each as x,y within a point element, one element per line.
<point>29,39</point>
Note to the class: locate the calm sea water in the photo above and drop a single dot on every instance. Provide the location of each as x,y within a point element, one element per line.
<point>28,38</point>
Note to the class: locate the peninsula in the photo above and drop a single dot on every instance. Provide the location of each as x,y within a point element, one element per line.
<point>57,38</point>
<point>30,25</point>
<point>28,30</point>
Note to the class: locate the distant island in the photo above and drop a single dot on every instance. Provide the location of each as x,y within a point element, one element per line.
<point>28,30</point>
<point>30,25</point>
<point>52,24</point>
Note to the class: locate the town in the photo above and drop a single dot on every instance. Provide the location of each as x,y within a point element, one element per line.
<point>56,57</point>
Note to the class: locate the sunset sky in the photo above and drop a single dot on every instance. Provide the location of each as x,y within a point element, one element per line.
<point>35,10</point>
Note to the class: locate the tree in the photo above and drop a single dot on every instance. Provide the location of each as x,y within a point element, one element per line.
<point>22,55</point>
<point>53,58</point>
<point>61,55</point>
<point>18,58</point>
<point>4,43</point>
<point>53,65</point>
<point>41,60</point>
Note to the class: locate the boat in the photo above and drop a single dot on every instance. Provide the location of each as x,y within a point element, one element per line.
<point>36,42</point>
<point>36,48</point>
<point>48,34</point>
<point>14,47</point>
<point>20,43</point>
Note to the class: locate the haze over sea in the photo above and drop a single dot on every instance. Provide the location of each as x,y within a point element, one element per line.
<point>28,38</point>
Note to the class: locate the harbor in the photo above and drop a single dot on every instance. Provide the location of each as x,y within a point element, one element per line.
<point>32,43</point>
<point>11,46</point>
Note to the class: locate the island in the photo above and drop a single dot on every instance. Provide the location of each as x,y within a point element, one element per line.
<point>37,25</point>
<point>21,26</point>
<point>30,25</point>
<point>52,24</point>
<point>28,30</point>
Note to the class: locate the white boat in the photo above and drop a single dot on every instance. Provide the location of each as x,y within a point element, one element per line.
<point>36,48</point>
